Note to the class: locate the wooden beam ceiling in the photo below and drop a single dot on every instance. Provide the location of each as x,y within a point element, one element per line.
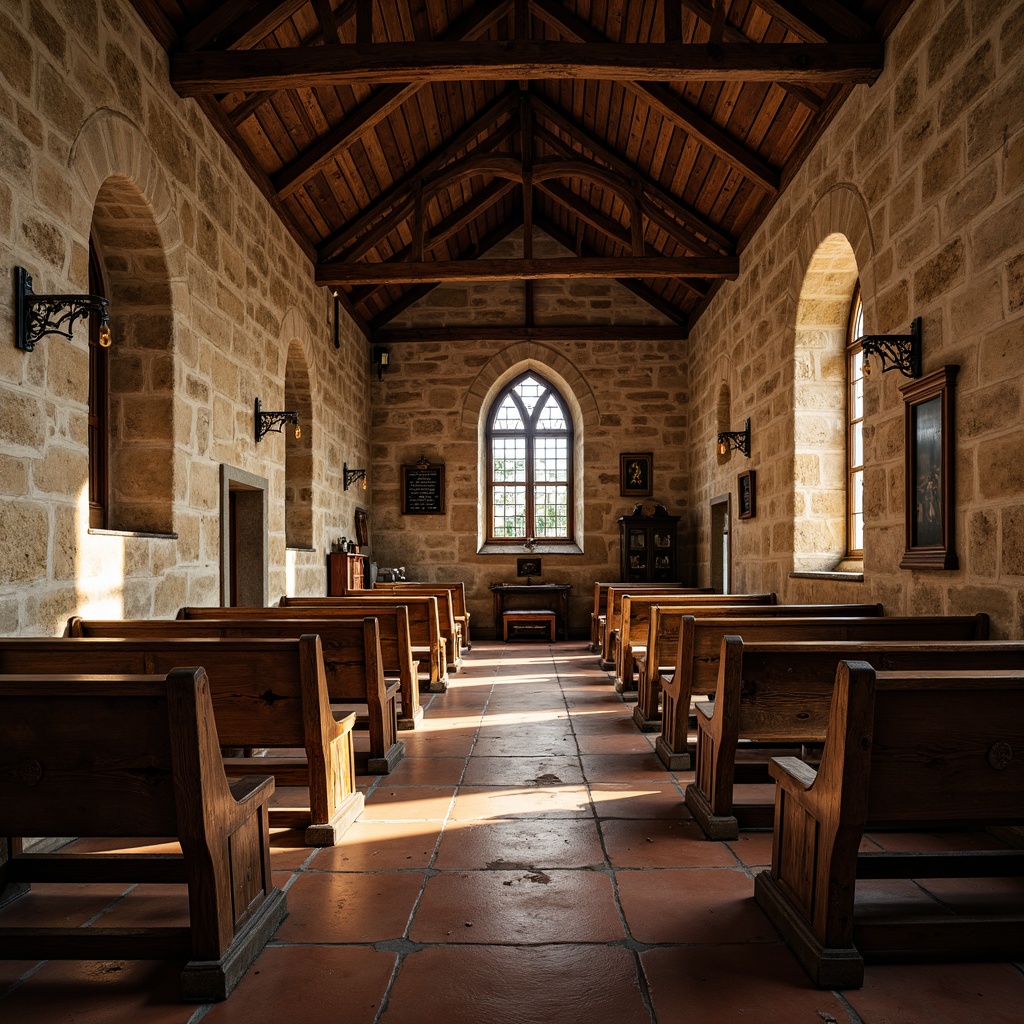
<point>547,334</point>
<point>569,268</point>
<point>303,67</point>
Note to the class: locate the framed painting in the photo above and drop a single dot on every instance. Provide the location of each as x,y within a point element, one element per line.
<point>636,474</point>
<point>929,507</point>
<point>747,484</point>
<point>528,567</point>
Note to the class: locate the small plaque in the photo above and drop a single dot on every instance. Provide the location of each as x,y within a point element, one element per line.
<point>423,489</point>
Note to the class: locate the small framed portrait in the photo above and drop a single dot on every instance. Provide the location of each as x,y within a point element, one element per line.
<point>362,528</point>
<point>747,495</point>
<point>636,473</point>
<point>528,567</point>
<point>930,487</point>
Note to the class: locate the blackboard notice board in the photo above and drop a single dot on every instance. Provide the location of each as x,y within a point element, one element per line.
<point>423,490</point>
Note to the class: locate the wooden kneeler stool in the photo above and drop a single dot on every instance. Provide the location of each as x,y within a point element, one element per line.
<point>528,617</point>
<point>136,756</point>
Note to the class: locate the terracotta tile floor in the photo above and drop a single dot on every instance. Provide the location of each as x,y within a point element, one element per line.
<point>529,861</point>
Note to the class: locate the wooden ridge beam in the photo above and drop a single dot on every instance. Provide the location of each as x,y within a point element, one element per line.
<point>367,116</point>
<point>539,332</point>
<point>681,215</point>
<point>401,191</point>
<point>677,110</point>
<point>569,268</point>
<point>302,67</point>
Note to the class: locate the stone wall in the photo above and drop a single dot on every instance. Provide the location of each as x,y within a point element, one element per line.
<point>628,396</point>
<point>922,174</point>
<point>207,290</point>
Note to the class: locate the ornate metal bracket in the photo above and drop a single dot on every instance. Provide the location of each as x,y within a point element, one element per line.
<point>35,316</point>
<point>738,440</point>
<point>268,421</point>
<point>900,351</point>
<point>350,476</point>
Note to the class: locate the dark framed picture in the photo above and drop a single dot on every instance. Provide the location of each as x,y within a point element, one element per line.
<point>636,474</point>
<point>362,528</point>
<point>528,567</point>
<point>747,483</point>
<point>929,509</point>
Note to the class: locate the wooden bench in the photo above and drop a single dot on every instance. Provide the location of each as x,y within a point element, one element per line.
<point>779,694</point>
<point>635,622</point>
<point>663,640</point>
<point>528,617</point>
<point>266,693</point>
<point>424,626</point>
<point>915,750</point>
<point>700,642</point>
<point>597,616</point>
<point>612,612</point>
<point>135,756</point>
<point>460,613</point>
<point>395,643</point>
<point>353,666</point>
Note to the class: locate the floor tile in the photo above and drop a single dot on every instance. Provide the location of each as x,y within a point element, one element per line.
<point>49,905</point>
<point>624,767</point>
<point>476,802</point>
<point>753,849</point>
<point>408,803</point>
<point>530,843</point>
<point>380,846</point>
<point>149,906</point>
<point>523,771</point>
<point>567,984</point>
<point>314,983</point>
<point>698,905</point>
<point>939,994</point>
<point>639,800</point>
<point>521,906</point>
<point>754,982</point>
<point>349,907</point>
<point>661,843</point>
<point>427,771</point>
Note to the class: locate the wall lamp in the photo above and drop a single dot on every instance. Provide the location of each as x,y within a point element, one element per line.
<point>381,359</point>
<point>350,476</point>
<point>268,421</point>
<point>35,316</point>
<point>739,440</point>
<point>901,351</point>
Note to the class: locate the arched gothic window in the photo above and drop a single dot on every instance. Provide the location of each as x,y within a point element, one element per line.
<point>529,463</point>
<point>99,396</point>
<point>855,430</point>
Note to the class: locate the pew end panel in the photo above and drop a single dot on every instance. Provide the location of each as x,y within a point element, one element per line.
<point>138,755</point>
<point>901,752</point>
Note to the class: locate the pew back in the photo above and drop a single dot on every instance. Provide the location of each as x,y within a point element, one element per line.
<point>597,616</point>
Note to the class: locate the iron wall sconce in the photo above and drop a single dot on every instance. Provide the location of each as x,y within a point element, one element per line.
<point>35,316</point>
<point>268,421</point>
<point>737,440</point>
<point>900,351</point>
<point>350,476</point>
<point>381,359</point>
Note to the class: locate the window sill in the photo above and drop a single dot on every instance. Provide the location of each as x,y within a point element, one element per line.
<point>292,547</point>
<point>132,533</point>
<point>519,550</point>
<point>842,577</point>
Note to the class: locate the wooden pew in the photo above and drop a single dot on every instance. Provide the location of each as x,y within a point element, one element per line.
<point>424,626</point>
<point>395,643</point>
<point>352,663</point>
<point>597,616</point>
<point>917,750</point>
<point>635,620</point>
<point>451,630</point>
<point>663,640</point>
<point>700,642</point>
<point>779,694</point>
<point>460,611</point>
<point>613,611</point>
<point>266,693</point>
<point>136,756</point>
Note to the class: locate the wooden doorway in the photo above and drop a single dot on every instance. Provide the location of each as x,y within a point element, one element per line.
<point>721,547</point>
<point>243,538</point>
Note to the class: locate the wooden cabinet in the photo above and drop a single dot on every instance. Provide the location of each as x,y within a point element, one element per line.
<point>648,546</point>
<point>345,573</point>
